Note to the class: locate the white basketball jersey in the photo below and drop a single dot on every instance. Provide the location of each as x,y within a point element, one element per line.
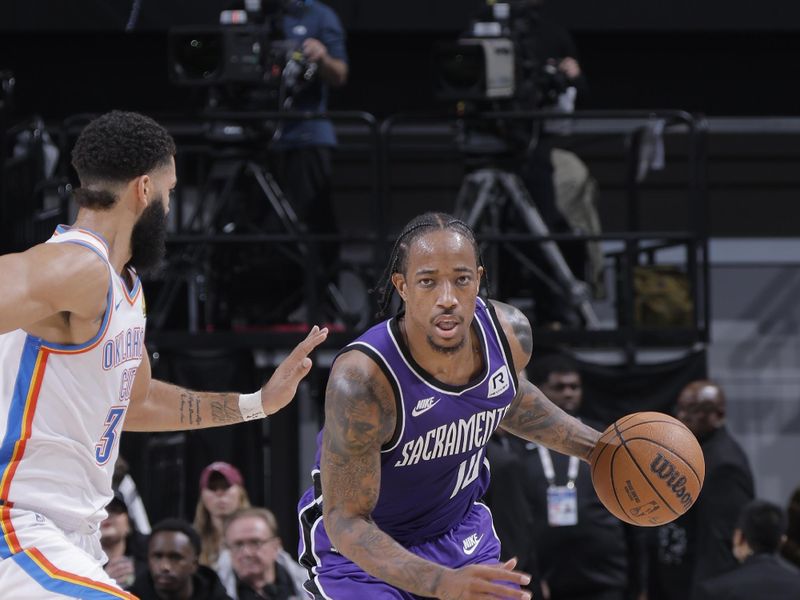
<point>62,407</point>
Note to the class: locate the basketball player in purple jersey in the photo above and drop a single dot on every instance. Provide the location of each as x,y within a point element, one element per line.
<point>74,371</point>
<point>394,512</point>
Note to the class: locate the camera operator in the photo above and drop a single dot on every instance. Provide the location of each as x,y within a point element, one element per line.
<point>300,150</point>
<point>304,147</point>
<point>559,82</point>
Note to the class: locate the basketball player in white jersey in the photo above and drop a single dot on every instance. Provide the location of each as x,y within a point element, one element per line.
<point>74,371</point>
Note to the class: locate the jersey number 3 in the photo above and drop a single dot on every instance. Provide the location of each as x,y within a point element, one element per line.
<point>103,448</point>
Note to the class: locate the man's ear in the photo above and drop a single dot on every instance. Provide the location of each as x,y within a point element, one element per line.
<point>399,283</point>
<point>144,190</point>
<point>741,550</point>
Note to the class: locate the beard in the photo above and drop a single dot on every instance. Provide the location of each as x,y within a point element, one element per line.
<point>148,238</point>
<point>446,349</point>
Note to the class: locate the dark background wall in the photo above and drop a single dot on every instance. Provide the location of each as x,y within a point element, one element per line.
<point>435,15</point>
<point>721,58</point>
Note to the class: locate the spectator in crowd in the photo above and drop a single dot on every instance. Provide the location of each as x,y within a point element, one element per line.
<point>791,549</point>
<point>252,536</point>
<point>124,545</point>
<point>174,572</point>
<point>697,545</point>
<point>762,574</point>
<point>222,493</point>
<point>585,553</point>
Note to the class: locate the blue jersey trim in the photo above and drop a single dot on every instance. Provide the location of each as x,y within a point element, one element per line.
<point>16,412</point>
<point>68,228</point>
<point>137,283</point>
<point>59,586</point>
<point>100,332</point>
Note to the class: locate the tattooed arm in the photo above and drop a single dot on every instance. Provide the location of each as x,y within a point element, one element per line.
<point>532,415</point>
<point>159,406</point>
<point>360,417</point>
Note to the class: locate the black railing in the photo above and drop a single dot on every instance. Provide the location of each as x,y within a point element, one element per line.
<point>199,142</point>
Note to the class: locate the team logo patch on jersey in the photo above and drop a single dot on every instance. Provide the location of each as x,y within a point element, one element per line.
<point>499,382</point>
<point>471,543</point>
<point>424,405</point>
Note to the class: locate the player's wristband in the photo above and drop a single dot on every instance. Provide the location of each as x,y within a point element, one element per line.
<point>250,406</point>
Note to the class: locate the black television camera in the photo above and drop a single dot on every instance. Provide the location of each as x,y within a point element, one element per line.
<point>495,60</point>
<point>248,51</point>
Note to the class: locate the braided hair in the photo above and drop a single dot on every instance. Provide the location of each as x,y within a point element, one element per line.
<point>398,260</point>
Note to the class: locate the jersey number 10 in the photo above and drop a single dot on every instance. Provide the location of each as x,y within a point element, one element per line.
<point>468,472</point>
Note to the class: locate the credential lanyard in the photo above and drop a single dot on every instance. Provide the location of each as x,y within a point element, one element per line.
<point>549,472</point>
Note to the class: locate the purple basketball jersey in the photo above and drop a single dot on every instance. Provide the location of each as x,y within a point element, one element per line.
<point>435,466</point>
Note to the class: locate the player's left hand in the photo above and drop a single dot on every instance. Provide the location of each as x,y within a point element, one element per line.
<point>314,50</point>
<point>282,386</point>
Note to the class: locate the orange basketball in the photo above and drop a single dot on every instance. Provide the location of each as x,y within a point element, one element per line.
<point>648,468</point>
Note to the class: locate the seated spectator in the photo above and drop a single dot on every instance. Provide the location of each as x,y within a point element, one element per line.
<point>251,535</point>
<point>761,574</point>
<point>791,549</point>
<point>125,547</point>
<point>222,493</point>
<point>173,571</point>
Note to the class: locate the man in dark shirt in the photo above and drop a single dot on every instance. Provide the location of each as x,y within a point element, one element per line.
<point>251,535</point>
<point>697,545</point>
<point>305,146</point>
<point>762,574</point>
<point>585,553</point>
<point>791,549</point>
<point>173,570</point>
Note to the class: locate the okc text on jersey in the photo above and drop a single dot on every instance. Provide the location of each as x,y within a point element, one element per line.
<point>126,345</point>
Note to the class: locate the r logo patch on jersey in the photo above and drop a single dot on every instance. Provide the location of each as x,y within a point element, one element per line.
<point>499,382</point>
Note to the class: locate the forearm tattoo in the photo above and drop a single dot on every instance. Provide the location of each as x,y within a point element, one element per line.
<point>225,411</point>
<point>194,407</point>
<point>190,409</point>
<point>534,417</point>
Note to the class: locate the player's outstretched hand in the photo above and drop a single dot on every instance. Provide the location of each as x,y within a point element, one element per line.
<point>480,581</point>
<point>281,387</point>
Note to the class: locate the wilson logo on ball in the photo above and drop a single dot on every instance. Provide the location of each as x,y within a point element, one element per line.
<point>662,467</point>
